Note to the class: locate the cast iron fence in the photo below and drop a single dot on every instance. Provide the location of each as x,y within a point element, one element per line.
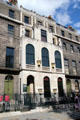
<point>31,101</point>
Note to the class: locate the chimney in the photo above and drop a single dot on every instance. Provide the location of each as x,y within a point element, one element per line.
<point>14,2</point>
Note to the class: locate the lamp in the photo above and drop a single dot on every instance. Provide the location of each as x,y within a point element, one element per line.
<point>38,63</point>
<point>53,64</point>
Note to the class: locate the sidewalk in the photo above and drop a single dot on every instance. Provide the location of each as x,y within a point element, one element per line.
<point>37,114</point>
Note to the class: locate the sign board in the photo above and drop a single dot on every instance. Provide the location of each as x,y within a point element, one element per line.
<point>24,87</point>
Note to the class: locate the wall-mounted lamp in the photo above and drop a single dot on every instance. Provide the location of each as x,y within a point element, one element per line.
<point>38,63</point>
<point>53,64</point>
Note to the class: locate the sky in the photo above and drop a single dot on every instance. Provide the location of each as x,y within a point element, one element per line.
<point>65,12</point>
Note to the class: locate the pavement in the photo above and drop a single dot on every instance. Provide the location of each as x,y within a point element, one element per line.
<point>41,114</point>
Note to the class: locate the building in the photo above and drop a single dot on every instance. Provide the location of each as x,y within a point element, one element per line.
<point>38,56</point>
<point>9,53</point>
<point>42,63</point>
<point>71,52</point>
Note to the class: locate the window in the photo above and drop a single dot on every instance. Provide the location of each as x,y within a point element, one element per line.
<point>64,46</point>
<point>11,29</point>
<point>39,22</point>
<point>26,19</point>
<point>58,59</point>
<point>74,67</point>
<point>43,35</point>
<point>45,57</point>
<point>62,33</point>
<point>51,29</point>
<point>30,54</point>
<point>27,33</point>
<point>76,38</point>
<point>72,48</point>
<point>70,35</point>
<point>76,86</point>
<point>54,41</point>
<point>66,65</point>
<point>9,57</point>
<point>78,48</point>
<point>60,87</point>
<point>11,13</point>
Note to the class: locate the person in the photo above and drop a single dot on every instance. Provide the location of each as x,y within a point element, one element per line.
<point>76,102</point>
<point>79,101</point>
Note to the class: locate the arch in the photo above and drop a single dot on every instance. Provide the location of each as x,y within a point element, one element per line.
<point>30,54</point>
<point>60,87</point>
<point>9,86</point>
<point>47,92</point>
<point>45,57</point>
<point>30,84</point>
<point>68,82</point>
<point>58,59</point>
<point>76,86</point>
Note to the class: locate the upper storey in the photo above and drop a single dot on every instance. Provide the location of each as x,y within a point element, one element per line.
<point>9,10</point>
<point>67,33</point>
<point>38,27</point>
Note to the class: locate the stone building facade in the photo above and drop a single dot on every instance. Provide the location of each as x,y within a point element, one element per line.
<point>9,53</point>
<point>37,55</point>
<point>71,52</point>
<point>42,65</point>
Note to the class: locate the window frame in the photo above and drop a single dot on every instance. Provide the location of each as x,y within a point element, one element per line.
<point>10,29</point>
<point>9,57</point>
<point>58,60</point>
<point>27,19</point>
<point>43,35</point>
<point>11,13</point>
<point>30,54</point>
<point>45,57</point>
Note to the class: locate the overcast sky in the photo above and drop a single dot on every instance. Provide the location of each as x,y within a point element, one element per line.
<point>65,12</point>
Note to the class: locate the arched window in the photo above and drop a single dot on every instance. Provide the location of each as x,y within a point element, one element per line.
<point>58,59</point>
<point>30,54</point>
<point>60,87</point>
<point>47,92</point>
<point>76,86</point>
<point>45,57</point>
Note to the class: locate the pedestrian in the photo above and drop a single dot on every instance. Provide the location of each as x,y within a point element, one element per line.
<point>76,102</point>
<point>79,101</point>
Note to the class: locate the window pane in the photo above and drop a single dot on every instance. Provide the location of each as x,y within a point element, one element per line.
<point>30,55</point>
<point>9,57</point>
<point>11,29</point>
<point>26,19</point>
<point>43,35</point>
<point>58,59</point>
<point>62,33</point>
<point>45,57</point>
<point>11,13</point>
<point>27,33</point>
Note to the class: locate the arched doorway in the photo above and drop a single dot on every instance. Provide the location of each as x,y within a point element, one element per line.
<point>9,86</point>
<point>47,92</point>
<point>30,85</point>
<point>76,86</point>
<point>68,82</point>
<point>60,87</point>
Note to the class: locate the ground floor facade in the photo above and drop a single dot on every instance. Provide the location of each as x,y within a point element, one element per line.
<point>72,84</point>
<point>43,84</point>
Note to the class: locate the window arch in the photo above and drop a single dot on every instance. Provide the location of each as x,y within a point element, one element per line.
<point>58,59</point>
<point>30,54</point>
<point>45,57</point>
<point>76,85</point>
